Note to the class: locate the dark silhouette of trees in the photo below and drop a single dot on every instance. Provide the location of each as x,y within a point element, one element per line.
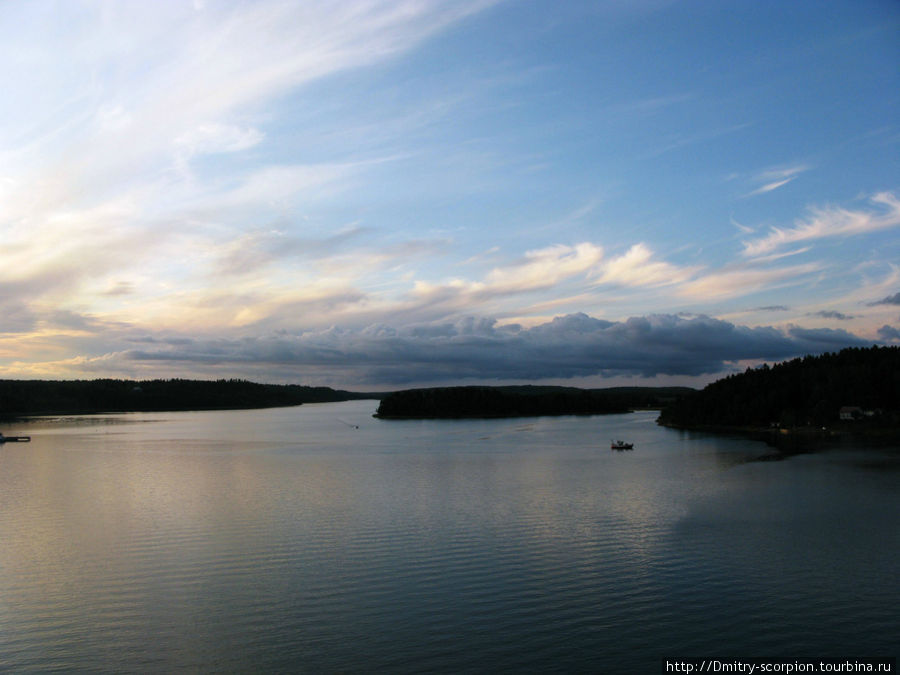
<point>804,392</point>
<point>34,397</point>
<point>524,401</point>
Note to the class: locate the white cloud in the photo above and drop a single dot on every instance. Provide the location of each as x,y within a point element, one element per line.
<point>637,268</point>
<point>119,94</point>
<point>831,222</point>
<point>279,185</point>
<point>55,254</point>
<point>538,270</point>
<point>772,179</point>
<point>217,137</point>
<point>563,269</point>
<point>546,267</point>
<point>742,228</point>
<point>768,187</point>
<point>741,280</point>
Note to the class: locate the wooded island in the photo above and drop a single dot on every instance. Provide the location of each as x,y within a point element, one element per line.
<point>522,401</point>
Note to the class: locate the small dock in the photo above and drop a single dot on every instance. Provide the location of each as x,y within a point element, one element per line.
<point>14,439</point>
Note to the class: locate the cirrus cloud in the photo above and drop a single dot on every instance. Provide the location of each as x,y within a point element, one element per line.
<point>772,179</point>
<point>831,222</point>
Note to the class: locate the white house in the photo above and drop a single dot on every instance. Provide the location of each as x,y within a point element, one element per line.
<point>849,412</point>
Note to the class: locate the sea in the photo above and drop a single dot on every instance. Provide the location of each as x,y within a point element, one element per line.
<point>320,539</point>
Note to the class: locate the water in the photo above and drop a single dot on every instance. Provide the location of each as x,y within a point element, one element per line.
<point>318,539</point>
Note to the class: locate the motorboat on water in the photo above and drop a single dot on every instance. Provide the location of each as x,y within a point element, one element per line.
<point>14,439</point>
<point>621,445</point>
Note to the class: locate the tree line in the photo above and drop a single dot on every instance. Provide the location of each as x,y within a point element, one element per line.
<point>36,397</point>
<point>808,391</point>
<point>522,401</point>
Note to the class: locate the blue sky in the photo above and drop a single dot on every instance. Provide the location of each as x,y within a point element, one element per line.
<point>370,194</point>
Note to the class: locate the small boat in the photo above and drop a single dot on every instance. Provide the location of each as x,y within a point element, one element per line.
<point>621,445</point>
<point>14,439</point>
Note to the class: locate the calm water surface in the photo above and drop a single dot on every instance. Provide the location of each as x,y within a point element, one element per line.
<point>319,539</point>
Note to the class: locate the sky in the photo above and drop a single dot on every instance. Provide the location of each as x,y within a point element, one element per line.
<point>374,195</point>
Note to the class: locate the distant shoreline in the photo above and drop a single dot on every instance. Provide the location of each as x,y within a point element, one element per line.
<point>35,398</point>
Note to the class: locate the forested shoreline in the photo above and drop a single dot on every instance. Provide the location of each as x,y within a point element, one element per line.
<point>851,390</point>
<point>520,401</point>
<point>854,390</point>
<point>19,398</point>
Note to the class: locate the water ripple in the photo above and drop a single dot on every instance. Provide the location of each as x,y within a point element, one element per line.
<point>428,550</point>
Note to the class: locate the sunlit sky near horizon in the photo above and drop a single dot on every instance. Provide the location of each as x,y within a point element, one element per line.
<point>367,194</point>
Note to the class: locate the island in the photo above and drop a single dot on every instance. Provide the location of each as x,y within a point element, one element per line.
<point>19,398</point>
<point>855,391</point>
<point>521,401</point>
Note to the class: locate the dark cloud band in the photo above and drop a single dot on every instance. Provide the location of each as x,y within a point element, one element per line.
<point>575,345</point>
